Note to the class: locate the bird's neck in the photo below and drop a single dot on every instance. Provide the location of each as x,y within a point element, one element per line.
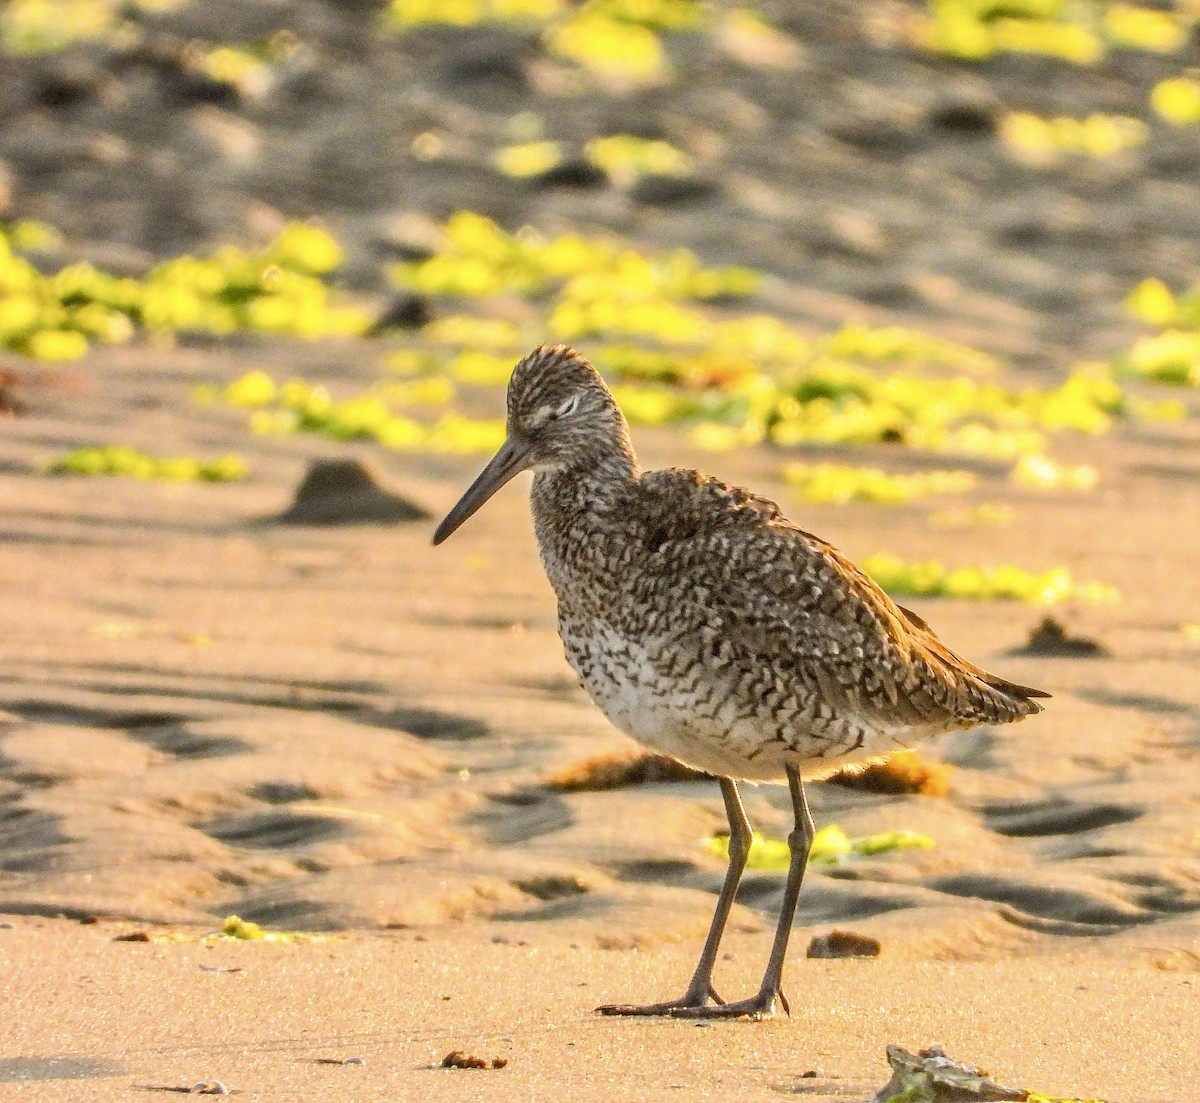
<point>598,480</point>
<point>571,503</point>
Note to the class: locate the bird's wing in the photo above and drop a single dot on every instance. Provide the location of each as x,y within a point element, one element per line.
<point>793,604</point>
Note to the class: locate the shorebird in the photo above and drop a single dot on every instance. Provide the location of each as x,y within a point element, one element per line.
<point>710,628</point>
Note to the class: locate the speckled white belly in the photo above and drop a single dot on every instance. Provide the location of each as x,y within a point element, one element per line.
<point>639,703</point>
<point>669,715</point>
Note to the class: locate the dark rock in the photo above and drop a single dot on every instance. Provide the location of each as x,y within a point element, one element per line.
<point>359,8</point>
<point>575,172</point>
<point>1051,638</point>
<point>965,118</point>
<point>488,65</point>
<point>672,191</point>
<point>69,80</point>
<point>191,87</point>
<point>345,492</point>
<point>403,312</point>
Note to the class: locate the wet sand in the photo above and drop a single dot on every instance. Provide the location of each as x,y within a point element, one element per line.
<point>345,730</point>
<point>88,1017</point>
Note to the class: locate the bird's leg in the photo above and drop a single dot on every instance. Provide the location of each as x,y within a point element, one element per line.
<point>701,990</point>
<point>762,1005</point>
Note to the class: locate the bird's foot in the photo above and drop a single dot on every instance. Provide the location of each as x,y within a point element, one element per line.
<point>690,1002</point>
<point>760,1006</point>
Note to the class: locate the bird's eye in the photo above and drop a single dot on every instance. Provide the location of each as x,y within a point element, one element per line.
<point>568,407</point>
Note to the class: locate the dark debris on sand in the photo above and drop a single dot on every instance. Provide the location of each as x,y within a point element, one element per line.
<point>932,1077</point>
<point>904,772</point>
<point>840,943</point>
<point>457,1059</point>
<point>620,771</point>
<point>1050,639</point>
<point>19,384</point>
<point>346,492</point>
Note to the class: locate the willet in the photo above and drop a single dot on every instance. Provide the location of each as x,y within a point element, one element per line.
<point>710,628</point>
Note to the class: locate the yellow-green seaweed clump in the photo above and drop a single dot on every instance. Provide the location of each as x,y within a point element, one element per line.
<point>737,381</point>
<point>279,289</point>
<point>1177,100</point>
<point>47,26</point>
<point>834,402</point>
<point>1079,33</point>
<point>838,483</point>
<point>616,41</point>
<point>529,158</point>
<point>1042,473</point>
<point>234,928</point>
<point>478,259</point>
<point>245,67</point>
<point>1173,354</point>
<point>1034,1098</point>
<point>53,317</point>
<point>1041,139</point>
<point>830,846</point>
<point>625,157</point>
<point>119,460</point>
<point>930,578</point>
<point>299,406</point>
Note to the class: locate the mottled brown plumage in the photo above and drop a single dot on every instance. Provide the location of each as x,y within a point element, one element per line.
<point>709,627</point>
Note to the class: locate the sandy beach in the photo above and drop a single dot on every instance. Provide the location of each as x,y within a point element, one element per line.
<point>351,738</point>
<point>371,1016</point>
<point>342,730</point>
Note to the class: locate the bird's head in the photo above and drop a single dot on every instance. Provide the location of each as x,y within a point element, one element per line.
<point>561,417</point>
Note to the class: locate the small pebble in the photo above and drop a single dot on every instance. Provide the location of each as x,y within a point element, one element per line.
<point>838,943</point>
<point>208,1087</point>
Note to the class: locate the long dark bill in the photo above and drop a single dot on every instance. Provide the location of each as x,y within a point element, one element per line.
<point>511,460</point>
